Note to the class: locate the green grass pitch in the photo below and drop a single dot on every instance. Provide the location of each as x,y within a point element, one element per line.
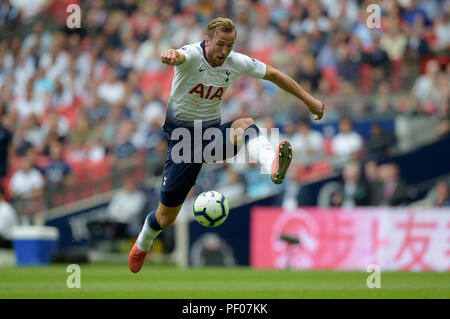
<point>168,282</point>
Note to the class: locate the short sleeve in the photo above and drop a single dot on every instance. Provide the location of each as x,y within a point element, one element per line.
<point>250,66</point>
<point>189,52</point>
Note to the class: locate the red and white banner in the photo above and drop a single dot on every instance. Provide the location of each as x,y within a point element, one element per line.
<point>396,239</point>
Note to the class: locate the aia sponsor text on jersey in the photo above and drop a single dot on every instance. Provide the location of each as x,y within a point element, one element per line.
<point>207,92</point>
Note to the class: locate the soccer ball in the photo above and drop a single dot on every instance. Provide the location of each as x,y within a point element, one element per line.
<point>211,208</point>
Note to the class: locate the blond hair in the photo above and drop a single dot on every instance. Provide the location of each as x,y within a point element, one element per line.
<point>223,24</point>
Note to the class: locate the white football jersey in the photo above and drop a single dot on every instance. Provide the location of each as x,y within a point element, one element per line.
<point>198,88</point>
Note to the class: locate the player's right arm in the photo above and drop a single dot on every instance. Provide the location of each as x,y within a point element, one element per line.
<point>172,57</point>
<point>290,85</point>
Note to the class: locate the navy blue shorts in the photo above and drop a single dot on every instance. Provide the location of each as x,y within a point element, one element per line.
<point>179,176</point>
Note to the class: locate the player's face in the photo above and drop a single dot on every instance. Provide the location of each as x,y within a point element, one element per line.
<point>219,47</point>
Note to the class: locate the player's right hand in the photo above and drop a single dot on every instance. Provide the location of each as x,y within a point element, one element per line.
<point>316,107</point>
<point>169,57</point>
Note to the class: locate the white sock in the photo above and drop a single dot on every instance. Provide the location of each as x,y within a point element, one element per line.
<point>146,237</point>
<point>262,151</point>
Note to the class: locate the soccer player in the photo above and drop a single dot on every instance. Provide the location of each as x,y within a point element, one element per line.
<point>203,72</point>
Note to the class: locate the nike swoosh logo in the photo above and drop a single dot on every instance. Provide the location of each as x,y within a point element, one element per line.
<point>201,70</point>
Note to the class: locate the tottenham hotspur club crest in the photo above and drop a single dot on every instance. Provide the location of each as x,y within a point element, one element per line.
<point>228,75</point>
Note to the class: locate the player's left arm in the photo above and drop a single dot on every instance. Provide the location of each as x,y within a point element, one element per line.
<point>288,84</point>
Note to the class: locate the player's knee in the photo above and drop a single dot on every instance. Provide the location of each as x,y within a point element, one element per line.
<point>243,123</point>
<point>247,122</point>
<point>239,127</point>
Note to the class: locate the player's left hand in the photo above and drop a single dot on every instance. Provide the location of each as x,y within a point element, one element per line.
<point>316,107</point>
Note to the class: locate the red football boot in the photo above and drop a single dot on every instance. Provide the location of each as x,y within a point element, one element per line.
<point>136,259</point>
<point>281,162</point>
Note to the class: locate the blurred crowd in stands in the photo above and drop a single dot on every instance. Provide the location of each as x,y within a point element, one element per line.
<point>78,106</point>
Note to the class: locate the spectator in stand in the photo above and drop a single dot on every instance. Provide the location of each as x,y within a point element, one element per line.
<point>298,14</point>
<point>372,180</point>
<point>8,219</point>
<point>284,29</point>
<point>442,194</point>
<point>21,144</point>
<point>243,17</point>
<point>76,151</point>
<point>34,132</point>
<point>444,125</point>
<point>6,150</point>
<point>344,13</point>
<point>393,41</point>
<point>442,31</point>
<point>393,191</point>
<point>307,144</point>
<point>380,144</point>
<point>152,109</point>
<point>363,36</point>
<point>154,135</point>
<point>62,96</point>
<point>110,126</point>
<point>10,17</point>
<point>307,74</point>
<point>189,32</point>
<point>82,130</point>
<point>418,46</point>
<point>336,198</point>
<point>264,30</point>
<point>371,171</point>
<point>96,110</point>
<point>328,55</point>
<point>55,124</point>
<point>38,37</point>
<point>232,185</point>
<point>123,216</point>
<point>58,173</point>
<point>126,207</point>
<point>112,90</point>
<point>97,150</point>
<point>128,6</point>
<point>222,8</point>
<point>347,144</point>
<point>316,19</point>
<point>355,191</point>
<point>287,130</point>
<point>28,181</point>
<point>427,87</point>
<point>347,67</point>
<point>96,16</point>
<point>383,102</point>
<point>156,158</point>
<point>148,57</point>
<point>28,104</point>
<point>128,54</point>
<point>29,9</point>
<point>367,40</point>
<point>43,87</point>
<point>256,183</point>
<point>411,12</point>
<point>125,152</point>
